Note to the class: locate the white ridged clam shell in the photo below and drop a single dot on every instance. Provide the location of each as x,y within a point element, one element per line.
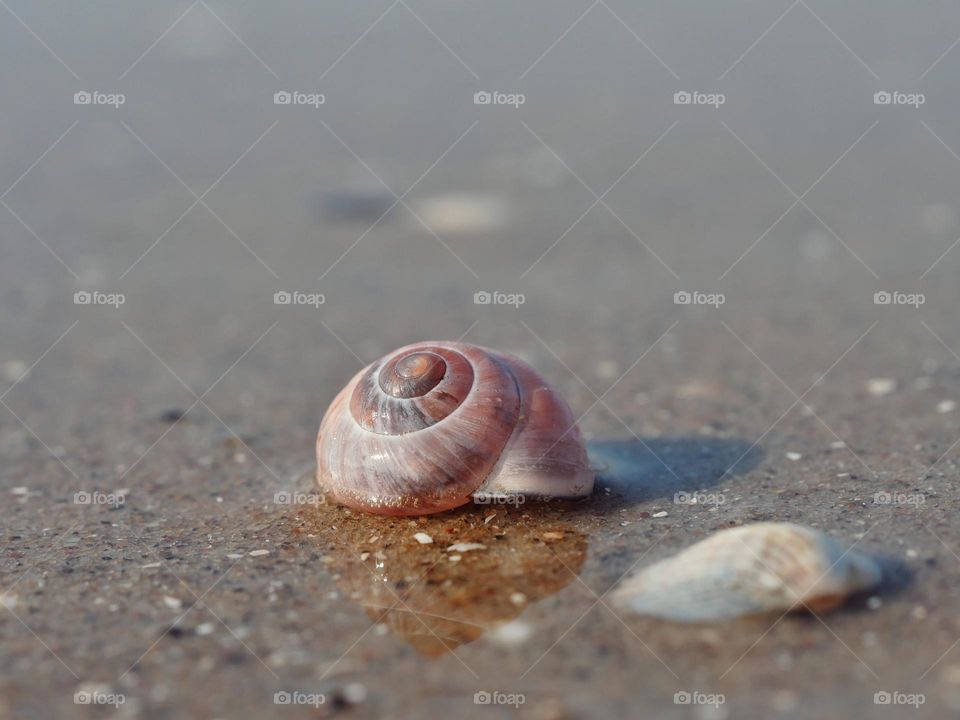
<point>766,567</point>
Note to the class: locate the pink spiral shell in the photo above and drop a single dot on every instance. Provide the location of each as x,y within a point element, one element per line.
<point>436,424</point>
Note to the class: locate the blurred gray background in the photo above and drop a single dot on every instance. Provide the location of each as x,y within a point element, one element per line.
<point>398,198</point>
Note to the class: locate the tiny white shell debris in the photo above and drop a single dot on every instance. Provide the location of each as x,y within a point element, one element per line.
<point>662,513</point>
<point>794,456</point>
<point>354,693</point>
<point>608,369</point>
<point>946,406</point>
<point>765,567</point>
<point>172,602</point>
<point>259,553</point>
<point>423,538</point>
<point>466,547</point>
<point>463,213</point>
<point>511,634</point>
<point>8,600</point>
<point>878,387</point>
<point>14,371</point>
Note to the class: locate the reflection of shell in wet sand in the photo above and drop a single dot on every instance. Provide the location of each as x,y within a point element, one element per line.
<point>748,570</point>
<point>423,593</point>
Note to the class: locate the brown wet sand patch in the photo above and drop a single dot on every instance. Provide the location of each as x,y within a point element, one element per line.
<point>483,566</point>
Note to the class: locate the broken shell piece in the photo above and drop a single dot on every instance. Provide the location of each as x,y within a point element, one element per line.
<point>466,547</point>
<point>748,570</point>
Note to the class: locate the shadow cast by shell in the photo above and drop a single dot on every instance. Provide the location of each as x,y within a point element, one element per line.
<point>641,469</point>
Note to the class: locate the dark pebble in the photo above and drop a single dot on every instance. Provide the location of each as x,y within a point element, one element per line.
<point>172,415</point>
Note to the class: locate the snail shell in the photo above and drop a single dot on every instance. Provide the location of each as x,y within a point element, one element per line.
<point>750,570</point>
<point>435,424</point>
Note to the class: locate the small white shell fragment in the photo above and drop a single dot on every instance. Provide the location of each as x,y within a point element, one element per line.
<point>466,547</point>
<point>172,602</point>
<point>354,693</point>
<point>946,406</point>
<point>462,213</point>
<point>662,513</point>
<point>878,387</point>
<point>423,538</point>
<point>794,456</point>
<point>765,567</point>
<point>14,371</point>
<point>8,600</point>
<point>511,634</point>
<point>259,553</point>
<point>205,628</point>
<point>608,369</point>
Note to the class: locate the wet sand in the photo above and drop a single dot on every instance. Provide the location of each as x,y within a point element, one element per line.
<point>199,396</point>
